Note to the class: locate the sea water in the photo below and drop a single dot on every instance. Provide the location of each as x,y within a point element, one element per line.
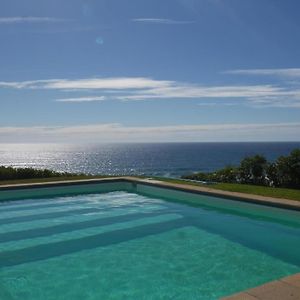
<point>169,159</point>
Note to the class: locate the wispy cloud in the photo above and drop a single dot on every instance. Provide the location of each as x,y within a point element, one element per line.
<point>116,83</point>
<point>292,72</point>
<point>288,92</point>
<point>14,20</point>
<point>26,84</point>
<point>142,88</point>
<point>183,91</point>
<point>114,132</point>
<point>161,21</point>
<point>212,104</point>
<point>146,88</point>
<point>82,99</point>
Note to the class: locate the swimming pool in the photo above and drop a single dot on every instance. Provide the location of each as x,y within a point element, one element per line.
<point>133,241</point>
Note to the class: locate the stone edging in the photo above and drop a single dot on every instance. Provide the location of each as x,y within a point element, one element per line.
<point>283,289</point>
<point>256,199</point>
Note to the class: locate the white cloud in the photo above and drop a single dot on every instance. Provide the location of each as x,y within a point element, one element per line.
<point>82,99</point>
<point>114,132</point>
<point>108,83</point>
<point>211,104</point>
<point>142,88</point>
<point>146,88</point>
<point>30,84</point>
<point>161,21</point>
<point>178,90</point>
<point>115,83</point>
<point>277,103</point>
<point>292,72</point>
<point>14,20</point>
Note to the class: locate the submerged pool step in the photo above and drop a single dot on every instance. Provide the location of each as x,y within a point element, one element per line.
<point>35,207</point>
<point>123,234</point>
<point>52,209</point>
<point>47,215</point>
<point>59,211</point>
<point>60,228</point>
<point>44,202</point>
<point>42,223</point>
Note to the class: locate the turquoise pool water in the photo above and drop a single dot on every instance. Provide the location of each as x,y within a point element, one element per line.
<point>122,245</point>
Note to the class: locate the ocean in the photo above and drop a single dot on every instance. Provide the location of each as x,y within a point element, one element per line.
<point>157,159</point>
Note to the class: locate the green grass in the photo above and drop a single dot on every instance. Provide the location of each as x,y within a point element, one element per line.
<point>291,194</point>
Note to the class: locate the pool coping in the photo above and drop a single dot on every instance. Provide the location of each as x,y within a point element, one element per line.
<point>285,288</point>
<point>243,197</point>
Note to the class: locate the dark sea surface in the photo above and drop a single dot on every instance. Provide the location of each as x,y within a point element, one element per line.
<point>170,159</point>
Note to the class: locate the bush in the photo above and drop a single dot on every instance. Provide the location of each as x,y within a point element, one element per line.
<point>253,170</point>
<point>228,174</point>
<point>285,172</point>
<point>288,170</point>
<point>9,173</point>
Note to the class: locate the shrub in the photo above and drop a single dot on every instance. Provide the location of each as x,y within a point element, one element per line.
<point>253,169</point>
<point>285,172</point>
<point>9,173</point>
<point>288,169</point>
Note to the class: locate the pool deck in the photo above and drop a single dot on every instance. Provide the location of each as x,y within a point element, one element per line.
<point>282,289</point>
<point>287,288</point>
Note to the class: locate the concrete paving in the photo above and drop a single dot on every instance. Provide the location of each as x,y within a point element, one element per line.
<point>287,288</point>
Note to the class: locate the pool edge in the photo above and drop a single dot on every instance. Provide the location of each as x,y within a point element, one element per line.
<point>283,288</point>
<point>243,197</point>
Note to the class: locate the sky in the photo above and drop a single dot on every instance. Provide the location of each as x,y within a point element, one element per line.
<point>92,71</point>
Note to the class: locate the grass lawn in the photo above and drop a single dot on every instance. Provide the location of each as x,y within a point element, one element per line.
<point>291,194</point>
<point>259,190</point>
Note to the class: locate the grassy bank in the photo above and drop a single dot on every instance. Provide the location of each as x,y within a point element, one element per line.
<point>259,190</point>
<point>291,194</point>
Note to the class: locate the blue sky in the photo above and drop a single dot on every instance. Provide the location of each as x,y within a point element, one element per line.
<point>143,71</point>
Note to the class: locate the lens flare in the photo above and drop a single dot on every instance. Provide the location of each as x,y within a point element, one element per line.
<point>99,40</point>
